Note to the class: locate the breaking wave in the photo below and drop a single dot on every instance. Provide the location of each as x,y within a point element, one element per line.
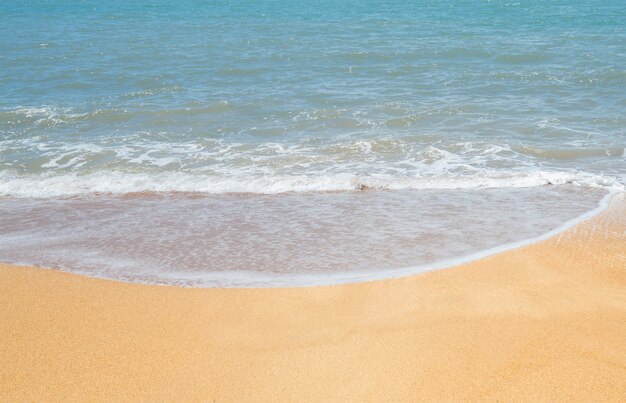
<point>119,183</point>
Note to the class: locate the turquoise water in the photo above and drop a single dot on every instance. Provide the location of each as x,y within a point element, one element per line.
<point>250,129</point>
<point>248,96</point>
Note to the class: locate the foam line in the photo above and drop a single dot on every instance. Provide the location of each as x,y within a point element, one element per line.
<point>112,182</point>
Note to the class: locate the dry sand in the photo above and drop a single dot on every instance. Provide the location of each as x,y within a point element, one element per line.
<point>543,322</point>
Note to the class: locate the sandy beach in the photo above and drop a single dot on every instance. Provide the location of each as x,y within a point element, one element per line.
<point>543,322</point>
<point>251,201</point>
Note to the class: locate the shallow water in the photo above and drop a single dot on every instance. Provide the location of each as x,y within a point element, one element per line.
<point>271,240</point>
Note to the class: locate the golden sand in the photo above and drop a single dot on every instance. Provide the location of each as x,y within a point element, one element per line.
<point>543,322</point>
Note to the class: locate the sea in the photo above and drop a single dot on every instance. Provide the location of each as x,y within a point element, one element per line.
<point>240,143</point>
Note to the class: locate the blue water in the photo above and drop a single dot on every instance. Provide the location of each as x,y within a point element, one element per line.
<point>229,96</point>
<point>426,102</point>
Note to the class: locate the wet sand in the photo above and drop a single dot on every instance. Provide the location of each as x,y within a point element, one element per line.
<point>543,322</point>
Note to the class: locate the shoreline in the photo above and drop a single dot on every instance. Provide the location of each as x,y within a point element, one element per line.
<point>255,280</point>
<point>545,321</point>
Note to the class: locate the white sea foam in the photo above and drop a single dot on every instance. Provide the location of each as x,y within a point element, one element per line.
<point>119,182</point>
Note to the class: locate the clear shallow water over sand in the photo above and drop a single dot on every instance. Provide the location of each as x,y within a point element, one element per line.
<point>271,240</point>
<point>229,102</point>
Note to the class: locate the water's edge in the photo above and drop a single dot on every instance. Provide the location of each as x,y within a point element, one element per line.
<point>258,281</point>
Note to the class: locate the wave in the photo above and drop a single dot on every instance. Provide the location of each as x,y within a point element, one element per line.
<point>41,240</point>
<point>49,116</point>
<point>241,279</point>
<point>115,182</point>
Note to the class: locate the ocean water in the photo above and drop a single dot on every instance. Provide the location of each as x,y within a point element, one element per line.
<point>228,107</point>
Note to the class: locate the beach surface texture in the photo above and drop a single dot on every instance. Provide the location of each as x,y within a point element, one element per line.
<point>543,322</point>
